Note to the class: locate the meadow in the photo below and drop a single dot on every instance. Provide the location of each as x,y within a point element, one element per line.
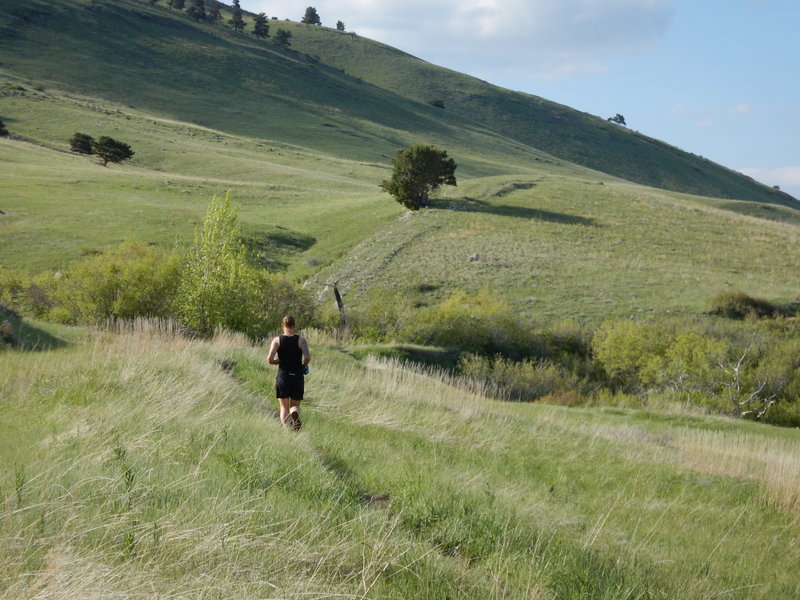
<point>137,461</point>
<point>140,463</point>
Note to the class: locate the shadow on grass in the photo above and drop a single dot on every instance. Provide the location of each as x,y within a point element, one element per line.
<point>269,246</point>
<point>16,334</point>
<point>520,212</point>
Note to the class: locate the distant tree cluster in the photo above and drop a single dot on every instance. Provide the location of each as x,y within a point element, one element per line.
<point>107,148</point>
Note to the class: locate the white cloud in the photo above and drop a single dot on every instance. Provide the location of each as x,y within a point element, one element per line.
<point>741,108</point>
<point>542,38</point>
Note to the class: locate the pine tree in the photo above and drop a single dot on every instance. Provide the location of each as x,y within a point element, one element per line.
<point>81,143</point>
<point>110,150</point>
<point>237,22</point>
<point>215,14</point>
<point>283,37</point>
<point>260,26</point>
<point>417,171</point>
<point>311,17</point>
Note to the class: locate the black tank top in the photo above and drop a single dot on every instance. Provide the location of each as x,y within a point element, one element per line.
<point>290,356</point>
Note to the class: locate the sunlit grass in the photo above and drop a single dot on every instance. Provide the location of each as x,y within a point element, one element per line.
<point>137,464</point>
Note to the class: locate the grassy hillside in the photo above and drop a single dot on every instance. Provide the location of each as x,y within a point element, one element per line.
<point>134,465</point>
<point>332,91</point>
<point>302,144</point>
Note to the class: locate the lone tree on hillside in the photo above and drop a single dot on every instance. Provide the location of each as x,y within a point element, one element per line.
<point>311,17</point>
<point>416,172</point>
<point>282,37</point>
<point>81,143</point>
<point>618,119</point>
<point>110,150</point>
<point>339,26</point>
<point>260,26</point>
<point>237,22</point>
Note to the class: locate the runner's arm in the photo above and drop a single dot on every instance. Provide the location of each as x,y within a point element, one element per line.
<point>272,357</point>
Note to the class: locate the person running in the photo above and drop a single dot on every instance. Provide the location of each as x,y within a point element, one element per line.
<point>290,352</point>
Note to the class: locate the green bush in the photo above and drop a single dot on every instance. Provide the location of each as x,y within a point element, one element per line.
<point>629,353</point>
<point>133,279</point>
<point>735,304</point>
<point>524,380</point>
<point>477,322</point>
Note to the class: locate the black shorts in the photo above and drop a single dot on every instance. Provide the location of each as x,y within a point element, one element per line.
<point>289,385</point>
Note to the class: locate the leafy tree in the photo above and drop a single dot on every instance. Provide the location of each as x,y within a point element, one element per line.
<point>417,171</point>
<point>339,25</point>
<point>283,37</point>
<point>110,150</point>
<point>197,10</point>
<point>237,22</point>
<point>176,4</point>
<point>618,119</point>
<point>311,17</point>
<point>3,130</point>
<point>81,143</point>
<point>219,287</point>
<point>260,26</point>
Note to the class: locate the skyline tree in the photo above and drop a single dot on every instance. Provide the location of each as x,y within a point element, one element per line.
<point>340,25</point>
<point>236,21</point>
<point>311,17</point>
<point>215,11</point>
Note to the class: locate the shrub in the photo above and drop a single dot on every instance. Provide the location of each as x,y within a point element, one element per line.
<point>8,336</point>
<point>735,304</point>
<point>525,380</point>
<point>629,353</point>
<point>133,279</point>
<point>477,322</point>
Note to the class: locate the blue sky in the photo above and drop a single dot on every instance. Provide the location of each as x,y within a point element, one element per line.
<point>719,78</point>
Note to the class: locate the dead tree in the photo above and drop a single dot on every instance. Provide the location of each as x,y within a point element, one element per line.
<point>744,403</point>
<point>339,304</point>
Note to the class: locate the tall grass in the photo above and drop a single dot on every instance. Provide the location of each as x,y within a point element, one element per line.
<point>138,462</point>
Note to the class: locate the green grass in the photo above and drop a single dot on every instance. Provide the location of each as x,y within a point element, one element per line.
<point>135,466</point>
<point>332,91</point>
<point>564,248</point>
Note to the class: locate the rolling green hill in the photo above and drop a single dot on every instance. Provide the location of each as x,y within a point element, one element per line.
<point>333,91</point>
<point>302,137</point>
